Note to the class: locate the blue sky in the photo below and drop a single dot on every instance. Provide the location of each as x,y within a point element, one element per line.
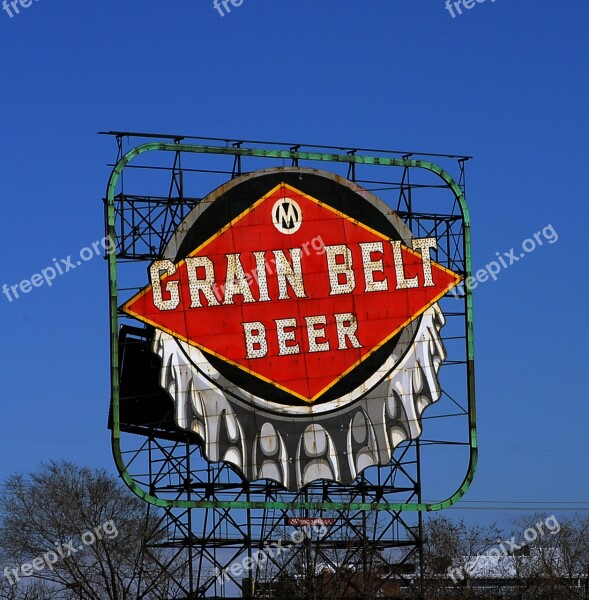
<point>505,82</point>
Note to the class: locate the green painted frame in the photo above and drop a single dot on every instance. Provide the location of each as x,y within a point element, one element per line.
<point>290,155</point>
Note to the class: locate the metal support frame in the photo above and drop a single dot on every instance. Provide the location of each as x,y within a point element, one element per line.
<point>214,518</point>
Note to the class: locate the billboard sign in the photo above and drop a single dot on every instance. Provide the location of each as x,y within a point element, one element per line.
<point>298,325</point>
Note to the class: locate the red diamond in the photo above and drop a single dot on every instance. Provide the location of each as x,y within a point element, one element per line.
<point>321,315</point>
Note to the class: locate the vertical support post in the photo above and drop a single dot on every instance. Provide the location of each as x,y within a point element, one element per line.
<point>236,161</point>
<point>352,166</point>
<point>420,594</point>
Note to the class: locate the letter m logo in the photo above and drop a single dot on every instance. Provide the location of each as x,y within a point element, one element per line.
<point>287,216</point>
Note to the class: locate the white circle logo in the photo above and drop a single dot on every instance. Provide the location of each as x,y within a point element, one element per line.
<point>287,216</point>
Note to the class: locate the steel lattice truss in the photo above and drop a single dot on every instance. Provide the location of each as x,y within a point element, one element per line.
<point>214,518</point>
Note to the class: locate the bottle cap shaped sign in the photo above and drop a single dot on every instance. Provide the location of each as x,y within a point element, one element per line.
<point>298,326</point>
